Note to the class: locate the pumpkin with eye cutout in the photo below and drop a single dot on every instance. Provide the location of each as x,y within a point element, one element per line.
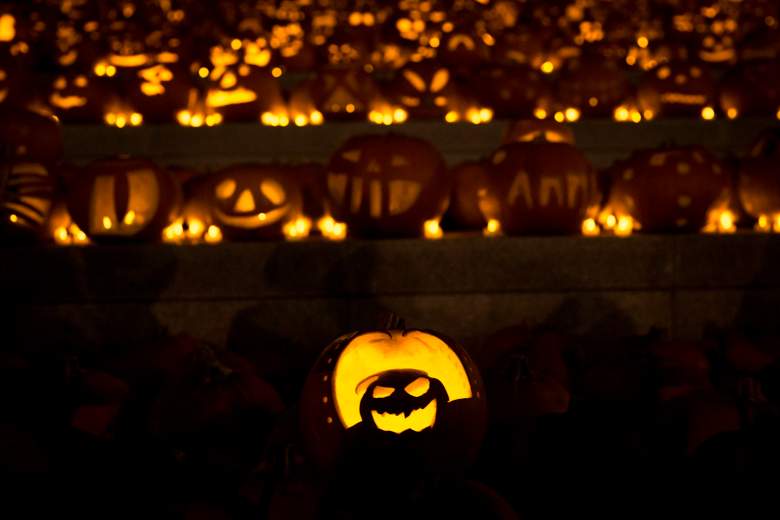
<point>253,201</point>
<point>78,98</point>
<point>415,392</point>
<point>122,199</point>
<point>387,185</point>
<point>539,187</point>
<point>424,89</point>
<point>678,89</point>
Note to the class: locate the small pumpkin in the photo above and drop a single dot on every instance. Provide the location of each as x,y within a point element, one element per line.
<point>539,187</point>
<point>414,391</point>
<point>751,90</point>
<point>669,188</point>
<point>122,199</point>
<point>426,89</point>
<point>593,85</point>
<point>469,185</point>
<point>387,185</point>
<point>513,91</point>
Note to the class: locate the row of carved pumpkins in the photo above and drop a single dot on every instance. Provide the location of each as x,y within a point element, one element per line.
<point>388,34</point>
<point>397,186</point>
<point>588,87</point>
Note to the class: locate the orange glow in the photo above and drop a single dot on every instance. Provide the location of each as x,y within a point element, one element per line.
<point>331,229</point>
<point>432,230</point>
<point>492,229</point>
<point>590,228</point>
<point>297,229</point>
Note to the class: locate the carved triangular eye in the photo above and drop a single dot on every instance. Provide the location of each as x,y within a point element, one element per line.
<point>418,387</point>
<point>380,392</point>
<point>415,80</point>
<point>225,188</point>
<point>273,191</point>
<point>440,80</point>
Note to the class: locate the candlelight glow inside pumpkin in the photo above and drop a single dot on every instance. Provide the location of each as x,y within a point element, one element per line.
<point>374,366</point>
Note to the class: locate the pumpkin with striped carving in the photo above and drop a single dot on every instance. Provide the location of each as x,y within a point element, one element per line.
<point>387,185</point>
<point>539,187</point>
<point>26,192</point>
<point>669,188</point>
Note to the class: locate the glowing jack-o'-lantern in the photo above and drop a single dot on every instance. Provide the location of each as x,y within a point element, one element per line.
<point>159,91</point>
<point>77,98</point>
<point>387,185</point>
<point>678,89</point>
<point>122,199</point>
<point>423,89</point>
<point>759,182</point>
<point>255,201</point>
<point>400,386</point>
<point>539,187</point>
<point>668,189</point>
<point>26,192</point>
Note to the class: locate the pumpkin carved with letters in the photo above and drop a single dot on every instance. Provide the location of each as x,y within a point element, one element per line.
<point>539,187</point>
<point>387,185</point>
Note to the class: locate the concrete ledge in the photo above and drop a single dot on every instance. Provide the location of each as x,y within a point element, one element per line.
<point>602,140</point>
<point>306,293</point>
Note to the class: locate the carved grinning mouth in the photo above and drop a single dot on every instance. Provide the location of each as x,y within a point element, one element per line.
<point>418,419</point>
<point>254,220</point>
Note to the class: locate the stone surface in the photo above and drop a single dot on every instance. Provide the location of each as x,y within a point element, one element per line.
<point>295,297</point>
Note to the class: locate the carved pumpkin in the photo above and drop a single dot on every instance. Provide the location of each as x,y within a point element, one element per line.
<point>159,91</point>
<point>759,181</point>
<point>593,85</point>
<point>387,185</point>
<point>28,136</point>
<point>469,185</point>
<point>678,89</point>
<point>26,193</point>
<point>670,188</point>
<point>424,89</point>
<point>122,199</point>
<point>253,201</point>
<point>413,391</point>
<point>78,98</point>
<point>539,187</point>
<point>242,92</point>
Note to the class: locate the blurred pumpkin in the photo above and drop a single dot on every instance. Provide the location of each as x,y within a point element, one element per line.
<point>539,187</point>
<point>387,185</point>
<point>678,88</point>
<point>669,189</point>
<point>469,185</point>
<point>122,199</point>
<point>759,181</point>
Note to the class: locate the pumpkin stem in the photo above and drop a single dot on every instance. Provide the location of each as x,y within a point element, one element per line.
<point>394,322</point>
